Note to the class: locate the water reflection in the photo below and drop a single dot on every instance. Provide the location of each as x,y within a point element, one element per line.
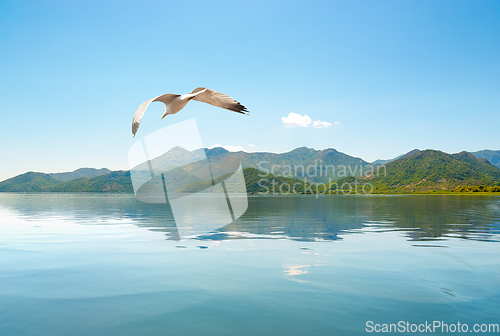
<point>297,217</point>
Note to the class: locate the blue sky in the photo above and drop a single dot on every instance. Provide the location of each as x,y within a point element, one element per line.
<point>390,76</point>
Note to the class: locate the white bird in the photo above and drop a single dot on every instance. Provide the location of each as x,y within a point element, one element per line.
<point>174,103</point>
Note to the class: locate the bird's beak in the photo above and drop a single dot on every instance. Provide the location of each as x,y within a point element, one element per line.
<point>164,116</point>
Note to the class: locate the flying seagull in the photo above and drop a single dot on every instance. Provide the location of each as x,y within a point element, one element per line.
<point>174,103</point>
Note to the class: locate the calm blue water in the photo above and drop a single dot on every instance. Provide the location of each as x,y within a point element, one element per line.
<point>108,265</point>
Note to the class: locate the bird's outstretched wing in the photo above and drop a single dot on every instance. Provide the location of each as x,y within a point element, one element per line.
<point>219,99</point>
<point>166,99</point>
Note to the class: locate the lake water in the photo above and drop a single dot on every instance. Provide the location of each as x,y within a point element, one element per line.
<point>73,264</point>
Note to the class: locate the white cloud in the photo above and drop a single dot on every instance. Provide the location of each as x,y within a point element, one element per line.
<point>229,147</point>
<point>251,145</point>
<point>321,124</point>
<point>296,120</point>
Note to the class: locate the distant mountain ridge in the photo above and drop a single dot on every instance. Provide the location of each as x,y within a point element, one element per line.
<point>492,156</point>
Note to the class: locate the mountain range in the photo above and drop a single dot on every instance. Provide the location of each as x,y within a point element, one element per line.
<point>303,162</point>
<point>415,171</point>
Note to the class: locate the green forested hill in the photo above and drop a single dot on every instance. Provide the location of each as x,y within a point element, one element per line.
<point>118,181</point>
<point>491,155</point>
<point>432,170</point>
<point>28,182</point>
